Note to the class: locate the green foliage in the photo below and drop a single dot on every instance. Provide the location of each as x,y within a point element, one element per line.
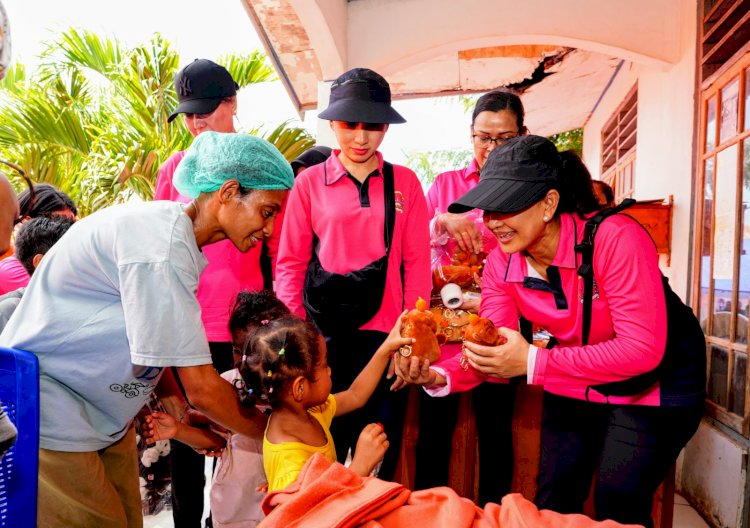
<point>91,119</point>
<point>570,140</point>
<point>428,164</point>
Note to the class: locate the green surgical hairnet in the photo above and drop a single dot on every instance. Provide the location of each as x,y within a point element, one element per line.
<point>214,158</point>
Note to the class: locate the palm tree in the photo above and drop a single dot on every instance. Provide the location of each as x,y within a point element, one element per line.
<point>92,118</point>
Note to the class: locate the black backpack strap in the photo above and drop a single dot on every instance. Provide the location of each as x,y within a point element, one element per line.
<point>389,197</point>
<point>586,270</point>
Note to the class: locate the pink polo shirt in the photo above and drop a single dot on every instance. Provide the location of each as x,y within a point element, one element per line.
<point>446,189</point>
<point>228,270</point>
<point>12,275</point>
<point>325,200</point>
<point>628,323</point>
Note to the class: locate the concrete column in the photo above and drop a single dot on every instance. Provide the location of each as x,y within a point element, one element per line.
<point>325,135</point>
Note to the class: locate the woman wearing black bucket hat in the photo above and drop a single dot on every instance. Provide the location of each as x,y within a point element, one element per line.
<point>355,249</point>
<point>626,440</point>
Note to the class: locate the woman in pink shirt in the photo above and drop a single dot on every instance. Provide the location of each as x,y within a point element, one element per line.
<point>626,443</point>
<point>355,250</point>
<point>497,117</point>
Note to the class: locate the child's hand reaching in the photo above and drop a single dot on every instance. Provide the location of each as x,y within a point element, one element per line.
<point>394,341</point>
<point>371,448</point>
<point>160,426</point>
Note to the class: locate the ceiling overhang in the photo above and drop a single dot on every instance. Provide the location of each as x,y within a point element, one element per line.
<point>428,48</point>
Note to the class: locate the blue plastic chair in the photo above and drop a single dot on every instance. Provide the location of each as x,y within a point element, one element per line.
<point>19,393</point>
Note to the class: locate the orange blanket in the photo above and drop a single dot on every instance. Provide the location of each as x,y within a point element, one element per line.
<point>328,495</point>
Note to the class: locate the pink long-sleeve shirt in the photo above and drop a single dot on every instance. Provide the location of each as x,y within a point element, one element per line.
<point>228,270</point>
<point>326,201</point>
<point>628,322</point>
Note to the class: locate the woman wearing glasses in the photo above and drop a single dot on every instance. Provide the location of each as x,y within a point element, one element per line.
<point>354,250</point>
<point>497,117</point>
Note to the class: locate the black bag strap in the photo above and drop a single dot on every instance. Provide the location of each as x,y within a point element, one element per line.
<point>586,270</point>
<point>389,197</point>
<point>389,201</point>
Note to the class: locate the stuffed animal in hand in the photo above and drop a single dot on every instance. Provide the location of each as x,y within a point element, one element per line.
<point>481,331</point>
<point>421,325</point>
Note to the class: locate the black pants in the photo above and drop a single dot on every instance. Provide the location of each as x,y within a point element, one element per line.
<point>187,467</point>
<point>348,353</point>
<point>493,411</point>
<point>628,449</point>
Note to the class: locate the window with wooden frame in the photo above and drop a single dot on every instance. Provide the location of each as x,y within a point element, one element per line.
<point>722,274</point>
<point>619,137</point>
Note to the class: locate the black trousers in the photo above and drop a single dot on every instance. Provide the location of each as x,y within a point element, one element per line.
<point>493,411</point>
<point>187,467</point>
<point>627,449</point>
<point>348,353</point>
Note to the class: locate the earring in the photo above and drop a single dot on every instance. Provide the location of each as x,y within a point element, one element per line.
<point>546,218</point>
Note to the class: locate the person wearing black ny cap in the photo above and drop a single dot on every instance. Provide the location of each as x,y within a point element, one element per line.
<point>355,250</point>
<point>625,441</point>
<point>310,157</point>
<point>207,96</point>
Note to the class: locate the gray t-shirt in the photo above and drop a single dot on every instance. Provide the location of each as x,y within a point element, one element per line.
<point>111,304</point>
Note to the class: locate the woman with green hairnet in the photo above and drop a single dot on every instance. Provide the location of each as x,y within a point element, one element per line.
<point>113,304</point>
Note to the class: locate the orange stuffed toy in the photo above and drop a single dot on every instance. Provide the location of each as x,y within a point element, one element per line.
<point>481,331</point>
<point>421,325</point>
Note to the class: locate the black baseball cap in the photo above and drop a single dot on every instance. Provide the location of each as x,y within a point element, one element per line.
<point>201,86</point>
<point>312,156</point>
<point>517,174</point>
<point>361,96</point>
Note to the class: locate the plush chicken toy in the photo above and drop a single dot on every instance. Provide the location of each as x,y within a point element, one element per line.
<point>481,331</point>
<point>421,325</point>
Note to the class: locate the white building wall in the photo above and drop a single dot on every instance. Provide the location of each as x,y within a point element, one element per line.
<point>664,150</point>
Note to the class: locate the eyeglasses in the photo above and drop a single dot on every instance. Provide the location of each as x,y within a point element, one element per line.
<point>32,194</point>
<point>483,140</point>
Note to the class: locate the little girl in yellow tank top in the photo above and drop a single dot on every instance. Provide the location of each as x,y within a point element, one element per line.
<point>285,366</point>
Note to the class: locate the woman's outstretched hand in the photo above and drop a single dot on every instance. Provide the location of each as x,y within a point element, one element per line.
<point>415,371</point>
<point>502,361</point>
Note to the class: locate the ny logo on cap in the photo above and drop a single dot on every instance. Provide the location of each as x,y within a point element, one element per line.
<point>184,89</point>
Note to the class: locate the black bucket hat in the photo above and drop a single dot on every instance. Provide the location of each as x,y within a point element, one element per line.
<point>361,96</point>
<point>516,175</point>
<point>201,86</point>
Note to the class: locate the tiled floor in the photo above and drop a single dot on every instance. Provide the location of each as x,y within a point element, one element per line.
<point>684,517</point>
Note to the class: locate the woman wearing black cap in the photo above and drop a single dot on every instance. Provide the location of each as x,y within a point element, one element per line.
<point>629,441</point>
<point>355,249</point>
